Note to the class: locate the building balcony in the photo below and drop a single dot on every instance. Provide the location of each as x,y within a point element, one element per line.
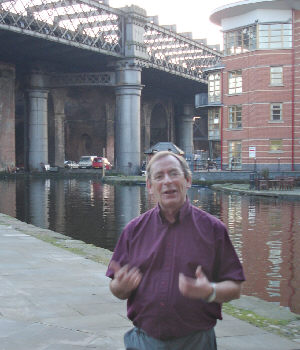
<point>202,101</point>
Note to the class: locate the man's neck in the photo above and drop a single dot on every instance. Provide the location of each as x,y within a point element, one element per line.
<point>170,216</point>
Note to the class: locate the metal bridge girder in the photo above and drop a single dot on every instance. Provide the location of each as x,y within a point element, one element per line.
<point>102,28</point>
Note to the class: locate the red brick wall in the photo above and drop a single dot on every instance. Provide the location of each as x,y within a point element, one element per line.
<point>297,90</point>
<point>257,95</point>
<point>7,117</point>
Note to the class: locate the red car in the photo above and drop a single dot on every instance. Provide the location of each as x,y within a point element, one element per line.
<point>99,161</point>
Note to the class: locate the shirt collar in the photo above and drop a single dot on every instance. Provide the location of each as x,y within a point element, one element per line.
<point>183,212</point>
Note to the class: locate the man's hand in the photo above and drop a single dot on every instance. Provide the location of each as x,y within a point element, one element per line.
<point>125,280</point>
<point>199,288</point>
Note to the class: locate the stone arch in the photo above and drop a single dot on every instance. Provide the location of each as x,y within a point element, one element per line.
<point>85,144</point>
<point>158,125</point>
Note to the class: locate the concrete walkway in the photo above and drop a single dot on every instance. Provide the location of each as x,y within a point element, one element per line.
<point>53,299</point>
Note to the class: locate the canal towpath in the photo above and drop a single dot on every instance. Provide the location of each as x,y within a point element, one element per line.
<point>55,296</point>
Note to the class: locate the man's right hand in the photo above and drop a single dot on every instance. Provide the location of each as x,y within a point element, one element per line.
<point>125,280</point>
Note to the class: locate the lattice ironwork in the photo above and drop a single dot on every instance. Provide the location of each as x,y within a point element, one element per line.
<point>176,53</point>
<point>93,25</point>
<point>83,79</point>
<point>79,22</point>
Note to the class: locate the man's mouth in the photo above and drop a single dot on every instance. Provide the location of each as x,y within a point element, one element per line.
<point>169,191</point>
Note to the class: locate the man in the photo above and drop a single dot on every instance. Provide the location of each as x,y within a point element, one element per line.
<point>175,265</point>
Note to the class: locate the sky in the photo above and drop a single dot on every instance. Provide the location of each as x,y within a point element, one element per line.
<point>188,15</point>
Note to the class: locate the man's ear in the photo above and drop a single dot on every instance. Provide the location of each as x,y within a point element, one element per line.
<point>149,187</point>
<point>189,182</point>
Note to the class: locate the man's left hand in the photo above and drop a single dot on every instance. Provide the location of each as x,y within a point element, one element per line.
<point>198,288</point>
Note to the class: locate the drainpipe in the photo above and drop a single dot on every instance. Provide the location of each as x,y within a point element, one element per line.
<point>293,91</point>
<point>221,119</point>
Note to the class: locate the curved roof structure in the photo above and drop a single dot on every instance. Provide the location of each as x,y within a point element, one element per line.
<point>241,7</point>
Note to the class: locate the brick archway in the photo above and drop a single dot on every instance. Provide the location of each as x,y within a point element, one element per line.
<point>158,125</point>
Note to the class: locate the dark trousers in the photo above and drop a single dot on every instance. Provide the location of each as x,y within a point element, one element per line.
<point>137,339</point>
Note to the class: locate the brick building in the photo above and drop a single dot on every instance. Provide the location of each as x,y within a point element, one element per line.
<point>253,106</point>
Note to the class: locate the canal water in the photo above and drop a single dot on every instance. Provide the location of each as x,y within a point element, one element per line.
<point>265,231</point>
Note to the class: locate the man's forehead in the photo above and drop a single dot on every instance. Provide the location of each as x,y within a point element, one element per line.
<point>166,162</point>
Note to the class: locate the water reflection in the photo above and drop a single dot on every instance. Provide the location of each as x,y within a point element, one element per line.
<point>264,231</point>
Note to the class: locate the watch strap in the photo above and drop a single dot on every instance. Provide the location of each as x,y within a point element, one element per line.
<point>213,294</point>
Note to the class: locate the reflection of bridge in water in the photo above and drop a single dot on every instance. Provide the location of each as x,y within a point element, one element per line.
<point>265,231</point>
<point>55,48</point>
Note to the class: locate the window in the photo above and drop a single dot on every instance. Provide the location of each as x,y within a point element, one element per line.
<point>262,36</point>
<point>214,92</point>
<point>214,124</point>
<point>276,75</point>
<point>235,82</point>
<point>276,112</point>
<point>276,145</point>
<point>235,117</point>
<point>235,154</point>
<point>240,40</point>
<point>275,36</point>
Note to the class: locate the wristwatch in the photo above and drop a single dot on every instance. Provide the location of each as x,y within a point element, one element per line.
<point>213,294</point>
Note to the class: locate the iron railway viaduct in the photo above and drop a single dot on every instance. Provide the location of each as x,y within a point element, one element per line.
<point>78,77</point>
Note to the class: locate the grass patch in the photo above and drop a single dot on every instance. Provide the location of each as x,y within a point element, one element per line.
<point>269,324</point>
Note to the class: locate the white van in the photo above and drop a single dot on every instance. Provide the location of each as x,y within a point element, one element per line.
<point>86,162</point>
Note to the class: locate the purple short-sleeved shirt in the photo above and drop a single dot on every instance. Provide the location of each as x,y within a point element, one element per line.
<point>161,250</point>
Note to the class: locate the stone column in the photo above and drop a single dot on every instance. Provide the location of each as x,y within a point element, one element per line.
<point>110,131</point>
<point>186,142</point>
<point>38,129</point>
<point>128,92</point>
<point>59,97</point>
<point>7,117</point>
<point>128,101</point>
<point>147,126</point>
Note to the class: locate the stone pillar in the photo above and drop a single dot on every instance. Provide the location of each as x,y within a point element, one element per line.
<point>110,131</point>
<point>7,117</point>
<point>38,129</point>
<point>186,141</point>
<point>146,125</point>
<point>128,101</point>
<point>128,92</point>
<point>59,97</point>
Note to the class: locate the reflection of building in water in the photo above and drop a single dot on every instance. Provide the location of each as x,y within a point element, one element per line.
<point>205,199</point>
<point>269,247</point>
<point>58,206</point>
<point>235,223</point>
<point>39,202</point>
<point>8,198</point>
<point>274,245</point>
<point>294,253</point>
<point>128,203</point>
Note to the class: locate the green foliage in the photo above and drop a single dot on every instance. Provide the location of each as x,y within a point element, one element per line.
<point>265,173</point>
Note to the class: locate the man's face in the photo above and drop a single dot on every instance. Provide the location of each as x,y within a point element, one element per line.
<point>168,183</point>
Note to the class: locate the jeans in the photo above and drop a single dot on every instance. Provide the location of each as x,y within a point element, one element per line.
<point>137,339</point>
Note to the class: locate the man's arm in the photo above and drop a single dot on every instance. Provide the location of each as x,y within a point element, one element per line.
<point>125,280</point>
<point>201,288</point>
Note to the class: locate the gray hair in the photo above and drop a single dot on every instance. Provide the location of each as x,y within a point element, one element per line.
<point>183,164</point>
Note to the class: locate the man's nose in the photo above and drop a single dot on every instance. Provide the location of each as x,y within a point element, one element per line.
<point>167,178</point>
